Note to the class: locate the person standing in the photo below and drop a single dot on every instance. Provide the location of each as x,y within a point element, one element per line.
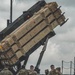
<point>53,71</point>
<point>46,72</point>
<point>6,71</point>
<point>31,71</point>
<point>58,71</point>
<point>23,71</point>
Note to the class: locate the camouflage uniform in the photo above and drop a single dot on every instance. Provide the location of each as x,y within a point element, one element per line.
<point>5,71</point>
<point>46,72</point>
<point>53,72</point>
<point>32,72</point>
<point>23,72</point>
<point>58,71</point>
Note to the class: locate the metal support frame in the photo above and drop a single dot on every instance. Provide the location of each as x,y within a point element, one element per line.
<point>70,67</point>
<point>74,65</point>
<point>62,66</point>
<point>41,56</point>
<point>26,59</point>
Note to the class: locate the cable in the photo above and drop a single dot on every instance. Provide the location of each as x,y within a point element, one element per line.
<point>66,62</point>
<point>66,68</point>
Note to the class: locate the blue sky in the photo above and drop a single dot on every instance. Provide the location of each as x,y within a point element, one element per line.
<point>61,46</point>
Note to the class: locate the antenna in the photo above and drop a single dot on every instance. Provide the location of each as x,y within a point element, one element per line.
<point>10,11</point>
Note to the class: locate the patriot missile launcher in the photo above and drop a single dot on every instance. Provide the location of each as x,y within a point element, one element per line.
<point>31,33</point>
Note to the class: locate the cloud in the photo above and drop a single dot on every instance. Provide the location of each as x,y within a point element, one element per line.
<point>68,36</point>
<point>2,24</point>
<point>70,3</point>
<point>67,3</point>
<point>4,5</point>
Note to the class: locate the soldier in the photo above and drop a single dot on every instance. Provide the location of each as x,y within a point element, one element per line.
<point>46,72</point>
<point>53,71</point>
<point>31,71</point>
<point>58,71</point>
<point>6,71</point>
<point>23,71</point>
<point>1,66</point>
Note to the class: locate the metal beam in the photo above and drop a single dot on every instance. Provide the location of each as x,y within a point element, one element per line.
<point>41,56</point>
<point>74,65</point>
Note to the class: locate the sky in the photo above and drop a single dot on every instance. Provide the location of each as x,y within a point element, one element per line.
<point>60,47</point>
